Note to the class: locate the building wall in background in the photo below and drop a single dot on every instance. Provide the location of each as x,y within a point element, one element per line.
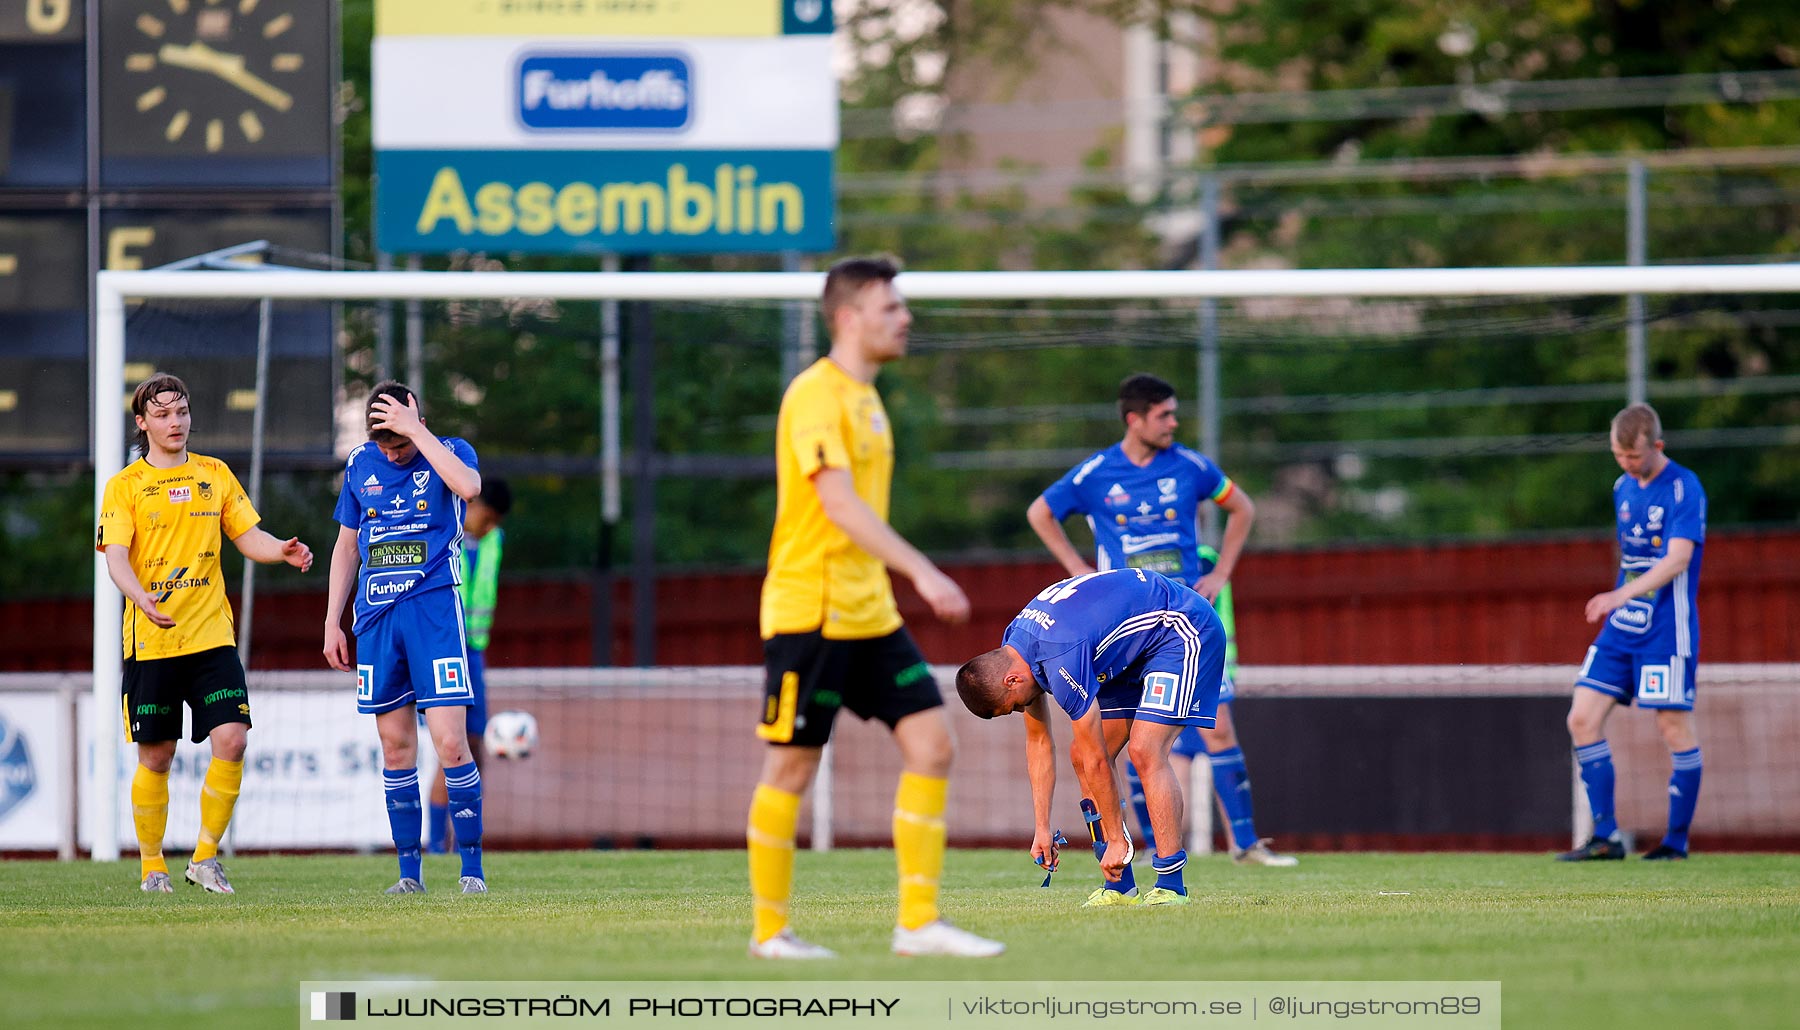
<point>1482,603</point>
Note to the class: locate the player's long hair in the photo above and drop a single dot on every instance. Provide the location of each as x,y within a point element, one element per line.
<point>158,384</point>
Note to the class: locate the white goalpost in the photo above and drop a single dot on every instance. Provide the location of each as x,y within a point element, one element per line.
<point>115,288</point>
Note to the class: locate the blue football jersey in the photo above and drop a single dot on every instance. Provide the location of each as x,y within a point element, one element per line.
<point>1142,518</point>
<point>1083,635</point>
<point>408,527</point>
<point>1668,621</point>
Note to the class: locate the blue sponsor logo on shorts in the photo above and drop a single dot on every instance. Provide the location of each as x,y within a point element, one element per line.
<point>625,92</point>
<point>451,676</point>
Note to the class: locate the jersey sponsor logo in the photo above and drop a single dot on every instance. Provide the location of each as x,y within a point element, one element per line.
<point>397,554</point>
<point>203,514</point>
<point>1117,497</point>
<point>387,587</point>
<point>371,486</point>
<point>151,490</point>
<point>451,677</point>
<point>605,92</point>
<point>378,533</point>
<point>1635,617</point>
<point>1090,465</point>
<point>1164,561</point>
<point>1133,544</point>
<point>1624,511</point>
<point>398,509</point>
<point>1071,681</point>
<point>163,588</point>
<point>180,494</point>
<point>365,683</point>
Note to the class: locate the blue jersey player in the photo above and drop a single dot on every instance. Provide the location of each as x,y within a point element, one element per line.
<point>399,545</point>
<point>1649,641</point>
<point>1141,498</point>
<point>1133,657</point>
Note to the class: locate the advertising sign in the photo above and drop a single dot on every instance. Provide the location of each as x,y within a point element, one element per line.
<point>312,778</point>
<point>706,126</point>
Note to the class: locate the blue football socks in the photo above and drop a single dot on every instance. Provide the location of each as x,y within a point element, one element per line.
<point>437,828</point>
<point>464,787</point>
<point>1597,777</point>
<point>1168,871</point>
<point>1684,792</point>
<point>1231,781</point>
<point>404,817</point>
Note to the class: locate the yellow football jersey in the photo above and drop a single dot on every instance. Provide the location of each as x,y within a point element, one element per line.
<point>817,578</point>
<point>171,519</point>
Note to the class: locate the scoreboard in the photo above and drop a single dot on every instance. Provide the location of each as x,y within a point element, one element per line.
<point>138,132</point>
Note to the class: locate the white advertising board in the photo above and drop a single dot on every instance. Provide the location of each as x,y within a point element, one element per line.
<point>312,778</point>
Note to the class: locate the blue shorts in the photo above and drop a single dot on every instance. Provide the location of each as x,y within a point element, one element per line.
<point>1177,682</point>
<point>475,720</point>
<point>415,656</point>
<point>1189,745</point>
<point>1651,680</point>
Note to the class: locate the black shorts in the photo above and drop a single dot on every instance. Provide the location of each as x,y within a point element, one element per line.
<point>809,678</point>
<point>209,682</point>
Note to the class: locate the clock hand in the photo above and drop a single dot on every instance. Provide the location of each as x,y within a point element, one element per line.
<point>230,68</point>
<point>248,82</point>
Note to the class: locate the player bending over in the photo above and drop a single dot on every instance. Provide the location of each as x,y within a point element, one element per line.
<point>1133,657</point>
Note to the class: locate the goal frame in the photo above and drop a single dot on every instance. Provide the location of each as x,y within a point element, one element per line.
<point>114,288</point>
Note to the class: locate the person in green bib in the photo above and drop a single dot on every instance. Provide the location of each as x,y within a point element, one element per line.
<point>482,543</point>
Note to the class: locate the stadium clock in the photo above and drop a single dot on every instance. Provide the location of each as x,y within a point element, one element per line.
<point>216,92</point>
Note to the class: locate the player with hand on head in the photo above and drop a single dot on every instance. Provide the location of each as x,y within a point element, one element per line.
<point>1141,498</point>
<point>1133,657</point>
<point>1649,647</point>
<point>483,543</point>
<point>400,518</point>
<point>832,634</point>
<point>160,528</point>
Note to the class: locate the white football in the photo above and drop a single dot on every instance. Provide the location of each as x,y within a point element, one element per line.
<point>511,735</point>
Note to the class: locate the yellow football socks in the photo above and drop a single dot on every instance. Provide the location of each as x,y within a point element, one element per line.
<point>218,795</point>
<point>919,845</point>
<point>150,815</point>
<point>773,815</point>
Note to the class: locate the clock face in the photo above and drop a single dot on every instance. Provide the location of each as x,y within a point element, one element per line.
<point>217,87</point>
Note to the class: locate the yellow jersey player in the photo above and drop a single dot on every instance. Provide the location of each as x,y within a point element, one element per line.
<point>160,529</point>
<point>832,635</point>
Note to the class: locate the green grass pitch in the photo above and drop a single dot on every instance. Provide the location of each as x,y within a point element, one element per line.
<point>1713,941</point>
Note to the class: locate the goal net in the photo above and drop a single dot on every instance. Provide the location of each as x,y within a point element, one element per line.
<point>985,416</point>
